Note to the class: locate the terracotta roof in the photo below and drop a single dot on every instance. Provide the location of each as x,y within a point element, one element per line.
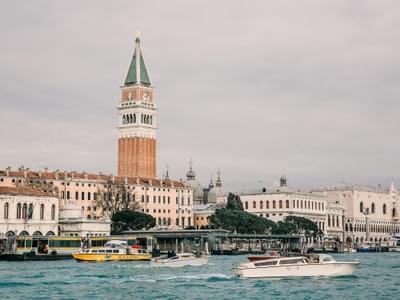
<point>23,191</point>
<point>93,176</point>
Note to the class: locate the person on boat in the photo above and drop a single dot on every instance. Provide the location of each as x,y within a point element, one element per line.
<point>46,249</point>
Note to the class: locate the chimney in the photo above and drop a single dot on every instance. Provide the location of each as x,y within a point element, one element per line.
<point>8,170</point>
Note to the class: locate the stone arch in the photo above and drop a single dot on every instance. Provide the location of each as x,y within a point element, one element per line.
<point>23,233</point>
<point>10,233</point>
<point>49,233</point>
<point>37,233</point>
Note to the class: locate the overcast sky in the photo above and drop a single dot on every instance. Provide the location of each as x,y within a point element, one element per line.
<point>256,89</point>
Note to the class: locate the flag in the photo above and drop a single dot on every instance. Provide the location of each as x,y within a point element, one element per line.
<point>29,214</point>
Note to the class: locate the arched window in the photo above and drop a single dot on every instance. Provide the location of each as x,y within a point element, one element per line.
<point>261,204</point>
<point>372,208</point>
<point>24,210</point>
<point>41,211</point>
<point>329,221</point>
<point>123,119</point>
<point>254,204</point>
<point>280,203</point>
<point>24,232</point>
<point>361,207</point>
<point>267,205</point>
<point>19,211</point>
<point>37,233</point>
<point>384,208</point>
<point>273,204</point>
<point>30,210</point>
<point>151,120</point>
<point>6,205</point>
<point>394,212</point>
<point>337,221</point>
<point>53,212</point>
<point>287,203</point>
<point>246,205</point>
<point>301,204</point>
<point>134,118</point>
<point>141,118</point>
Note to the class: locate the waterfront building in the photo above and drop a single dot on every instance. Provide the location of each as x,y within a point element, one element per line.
<point>27,211</point>
<point>282,201</point>
<point>370,213</point>
<point>169,202</point>
<point>72,222</point>
<point>137,124</point>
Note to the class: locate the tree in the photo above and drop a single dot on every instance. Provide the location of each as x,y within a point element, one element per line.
<point>131,220</point>
<point>296,225</point>
<point>236,220</point>
<point>117,196</point>
<point>234,202</point>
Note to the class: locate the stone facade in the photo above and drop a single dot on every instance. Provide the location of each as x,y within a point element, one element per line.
<point>17,202</point>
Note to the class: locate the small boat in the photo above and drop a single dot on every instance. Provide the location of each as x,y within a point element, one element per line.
<point>180,260</point>
<point>113,251</point>
<point>298,266</point>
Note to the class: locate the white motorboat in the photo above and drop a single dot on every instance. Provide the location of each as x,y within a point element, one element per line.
<point>180,260</point>
<point>299,266</point>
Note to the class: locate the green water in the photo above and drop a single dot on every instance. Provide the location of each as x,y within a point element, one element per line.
<point>378,277</point>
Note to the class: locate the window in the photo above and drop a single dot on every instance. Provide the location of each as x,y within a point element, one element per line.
<point>254,204</point>
<point>273,204</point>
<point>280,203</point>
<point>372,208</point>
<point>95,196</point>
<point>384,209</point>
<point>62,195</point>
<point>41,211</point>
<point>329,220</point>
<point>142,198</point>
<point>6,205</point>
<point>246,205</point>
<point>89,196</point>
<point>24,210</point>
<point>154,199</point>
<point>291,261</point>
<point>53,212</point>
<point>287,203</point>
<point>76,195</point>
<point>361,207</point>
<point>261,204</point>
<point>68,195</point>
<point>267,204</point>
<point>19,211</point>
<point>83,196</point>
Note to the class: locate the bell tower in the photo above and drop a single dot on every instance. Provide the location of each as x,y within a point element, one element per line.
<point>137,124</point>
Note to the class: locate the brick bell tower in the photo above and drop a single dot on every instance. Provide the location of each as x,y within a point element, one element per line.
<point>137,121</point>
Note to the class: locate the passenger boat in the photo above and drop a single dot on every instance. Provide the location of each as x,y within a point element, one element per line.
<point>23,248</point>
<point>299,266</point>
<point>113,251</point>
<point>180,260</point>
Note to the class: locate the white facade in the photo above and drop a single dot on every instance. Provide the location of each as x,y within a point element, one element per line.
<point>15,204</point>
<point>370,213</point>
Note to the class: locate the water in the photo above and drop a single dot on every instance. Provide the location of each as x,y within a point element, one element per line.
<point>378,277</point>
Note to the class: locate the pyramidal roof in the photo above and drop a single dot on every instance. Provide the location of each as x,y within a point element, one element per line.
<point>137,73</point>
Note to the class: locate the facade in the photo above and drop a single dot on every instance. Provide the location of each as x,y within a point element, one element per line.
<point>99,195</point>
<point>283,201</point>
<point>26,211</point>
<point>137,121</point>
<point>73,223</point>
<point>370,213</point>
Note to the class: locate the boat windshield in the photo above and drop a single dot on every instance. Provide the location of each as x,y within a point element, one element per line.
<point>266,263</point>
<point>291,261</point>
<point>326,258</point>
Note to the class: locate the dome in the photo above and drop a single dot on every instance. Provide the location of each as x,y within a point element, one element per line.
<point>70,211</point>
<point>215,193</point>
<point>197,189</point>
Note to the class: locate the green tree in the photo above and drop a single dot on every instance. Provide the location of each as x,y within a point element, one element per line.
<point>295,225</point>
<point>234,202</point>
<point>131,220</point>
<point>236,220</point>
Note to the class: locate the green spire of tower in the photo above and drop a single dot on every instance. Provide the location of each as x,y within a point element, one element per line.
<point>137,73</point>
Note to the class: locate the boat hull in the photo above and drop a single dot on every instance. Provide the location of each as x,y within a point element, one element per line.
<point>82,257</point>
<point>306,270</point>
<point>31,257</point>
<point>180,262</point>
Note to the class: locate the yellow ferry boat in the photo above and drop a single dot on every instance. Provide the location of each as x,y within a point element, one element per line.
<point>113,251</point>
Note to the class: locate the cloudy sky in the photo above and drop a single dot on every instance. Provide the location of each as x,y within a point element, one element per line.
<point>256,89</point>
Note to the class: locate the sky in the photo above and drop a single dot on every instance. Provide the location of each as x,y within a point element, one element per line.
<point>255,89</point>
